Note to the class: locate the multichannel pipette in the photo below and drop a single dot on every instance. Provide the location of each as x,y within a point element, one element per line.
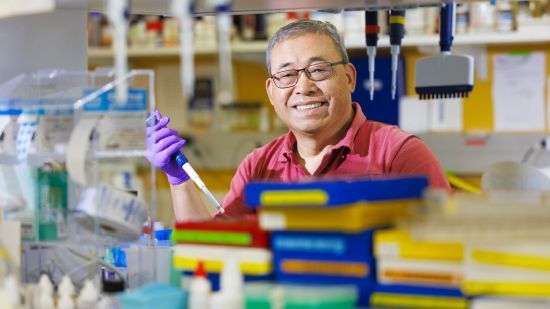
<point>181,160</point>
<point>397,32</point>
<point>445,75</point>
<point>371,33</point>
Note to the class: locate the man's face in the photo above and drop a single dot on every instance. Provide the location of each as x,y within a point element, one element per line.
<point>311,107</point>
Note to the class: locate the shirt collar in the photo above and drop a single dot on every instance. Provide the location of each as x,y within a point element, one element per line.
<point>288,146</point>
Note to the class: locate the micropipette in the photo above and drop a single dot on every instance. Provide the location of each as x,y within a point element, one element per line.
<point>181,160</point>
<point>397,32</point>
<point>223,19</point>
<point>116,13</point>
<point>371,33</point>
<point>182,10</point>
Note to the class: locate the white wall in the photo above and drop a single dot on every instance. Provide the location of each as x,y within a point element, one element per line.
<point>43,41</point>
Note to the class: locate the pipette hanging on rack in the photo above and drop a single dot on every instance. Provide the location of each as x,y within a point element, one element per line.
<point>397,32</point>
<point>371,34</point>
<point>182,10</point>
<point>223,18</point>
<point>117,13</point>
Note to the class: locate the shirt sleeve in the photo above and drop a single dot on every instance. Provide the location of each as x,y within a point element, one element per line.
<point>234,202</point>
<point>415,158</point>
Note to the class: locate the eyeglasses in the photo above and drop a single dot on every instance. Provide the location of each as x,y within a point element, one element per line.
<point>315,72</point>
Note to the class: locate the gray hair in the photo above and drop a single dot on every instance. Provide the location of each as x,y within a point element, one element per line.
<point>301,27</point>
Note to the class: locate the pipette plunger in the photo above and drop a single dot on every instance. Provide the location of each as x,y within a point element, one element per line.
<point>397,32</point>
<point>371,34</point>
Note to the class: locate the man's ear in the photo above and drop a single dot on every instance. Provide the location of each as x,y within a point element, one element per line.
<point>269,89</point>
<point>351,75</point>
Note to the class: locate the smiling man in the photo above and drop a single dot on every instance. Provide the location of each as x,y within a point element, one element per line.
<point>310,85</point>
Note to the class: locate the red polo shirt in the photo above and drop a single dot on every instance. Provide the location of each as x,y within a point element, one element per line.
<point>369,148</point>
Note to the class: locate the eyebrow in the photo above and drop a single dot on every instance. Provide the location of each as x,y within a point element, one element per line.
<point>310,60</point>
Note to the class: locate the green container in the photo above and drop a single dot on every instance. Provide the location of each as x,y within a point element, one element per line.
<point>52,201</point>
<point>270,295</point>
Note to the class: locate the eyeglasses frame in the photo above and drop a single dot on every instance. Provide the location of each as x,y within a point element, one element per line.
<point>299,71</point>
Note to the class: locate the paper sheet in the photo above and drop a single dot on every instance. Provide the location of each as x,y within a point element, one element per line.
<point>518,92</point>
<point>446,115</point>
<point>413,115</point>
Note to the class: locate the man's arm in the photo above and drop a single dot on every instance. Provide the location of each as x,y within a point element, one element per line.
<point>187,203</point>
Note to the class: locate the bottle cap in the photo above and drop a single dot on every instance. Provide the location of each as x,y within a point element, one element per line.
<point>88,293</point>
<point>66,287</point>
<point>112,286</point>
<point>45,284</point>
<point>201,270</point>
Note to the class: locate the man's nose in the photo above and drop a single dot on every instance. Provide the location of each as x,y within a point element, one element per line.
<point>304,85</point>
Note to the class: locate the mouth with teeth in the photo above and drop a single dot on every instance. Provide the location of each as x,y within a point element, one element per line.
<point>308,106</point>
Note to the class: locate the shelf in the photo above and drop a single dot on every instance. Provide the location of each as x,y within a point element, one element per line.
<point>37,159</point>
<point>159,52</point>
<point>205,7</point>
<point>537,35</point>
<point>493,38</point>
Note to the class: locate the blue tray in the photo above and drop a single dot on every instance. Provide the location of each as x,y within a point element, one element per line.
<point>335,245</point>
<point>417,290</point>
<point>341,192</point>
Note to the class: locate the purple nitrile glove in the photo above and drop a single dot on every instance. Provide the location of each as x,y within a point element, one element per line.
<point>162,143</point>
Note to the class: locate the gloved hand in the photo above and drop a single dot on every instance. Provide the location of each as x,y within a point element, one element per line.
<point>162,143</point>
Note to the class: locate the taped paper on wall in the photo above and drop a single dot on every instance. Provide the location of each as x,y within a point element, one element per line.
<point>518,91</point>
<point>446,115</point>
<point>413,114</point>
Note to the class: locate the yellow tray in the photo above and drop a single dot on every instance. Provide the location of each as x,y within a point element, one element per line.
<point>506,288</point>
<point>352,218</point>
<point>417,301</point>
<point>216,266</point>
<point>398,243</point>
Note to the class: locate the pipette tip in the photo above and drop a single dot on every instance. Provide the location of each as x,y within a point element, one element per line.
<point>213,200</point>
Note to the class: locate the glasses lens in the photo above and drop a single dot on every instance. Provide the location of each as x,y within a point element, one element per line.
<point>319,71</point>
<point>285,78</point>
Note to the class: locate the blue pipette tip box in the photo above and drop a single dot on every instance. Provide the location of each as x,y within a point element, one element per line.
<point>343,191</point>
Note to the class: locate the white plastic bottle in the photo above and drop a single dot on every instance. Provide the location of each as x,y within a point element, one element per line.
<point>66,287</point>
<point>88,297</point>
<point>65,302</point>
<point>11,286</point>
<point>5,299</point>
<point>199,289</point>
<point>45,300</point>
<point>231,286</point>
<point>66,293</point>
<point>43,295</point>
<point>45,285</point>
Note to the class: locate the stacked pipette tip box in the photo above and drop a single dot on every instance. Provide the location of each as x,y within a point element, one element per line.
<point>322,231</point>
<point>212,241</point>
